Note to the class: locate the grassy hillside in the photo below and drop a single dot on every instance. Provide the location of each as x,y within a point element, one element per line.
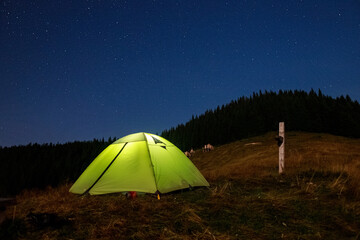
<point>317,198</point>
<point>304,152</point>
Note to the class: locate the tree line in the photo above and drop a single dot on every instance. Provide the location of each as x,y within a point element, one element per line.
<point>261,112</point>
<point>38,166</point>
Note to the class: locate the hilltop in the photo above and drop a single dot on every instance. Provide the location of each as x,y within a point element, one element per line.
<point>261,112</point>
<point>317,198</point>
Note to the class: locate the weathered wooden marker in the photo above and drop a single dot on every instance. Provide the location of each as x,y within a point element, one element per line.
<point>281,144</point>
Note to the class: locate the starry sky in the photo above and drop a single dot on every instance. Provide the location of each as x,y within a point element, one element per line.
<point>78,70</point>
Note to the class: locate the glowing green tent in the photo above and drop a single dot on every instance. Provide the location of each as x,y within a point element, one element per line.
<point>139,162</point>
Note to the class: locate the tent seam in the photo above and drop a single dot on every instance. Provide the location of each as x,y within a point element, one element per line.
<point>97,180</point>
<point>152,165</point>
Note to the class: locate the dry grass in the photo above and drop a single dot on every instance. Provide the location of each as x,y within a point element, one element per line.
<point>258,157</point>
<point>317,198</point>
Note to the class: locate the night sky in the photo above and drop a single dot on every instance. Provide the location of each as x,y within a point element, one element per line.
<point>78,70</point>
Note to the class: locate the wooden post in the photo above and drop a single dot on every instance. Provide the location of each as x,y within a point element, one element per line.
<point>282,147</point>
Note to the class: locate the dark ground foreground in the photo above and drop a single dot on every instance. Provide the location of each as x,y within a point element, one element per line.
<point>309,206</point>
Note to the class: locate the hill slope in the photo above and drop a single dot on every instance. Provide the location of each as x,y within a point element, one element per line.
<point>258,156</point>
<point>316,198</point>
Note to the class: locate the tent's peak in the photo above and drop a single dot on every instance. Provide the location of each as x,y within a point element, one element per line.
<point>135,137</point>
<point>143,136</point>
